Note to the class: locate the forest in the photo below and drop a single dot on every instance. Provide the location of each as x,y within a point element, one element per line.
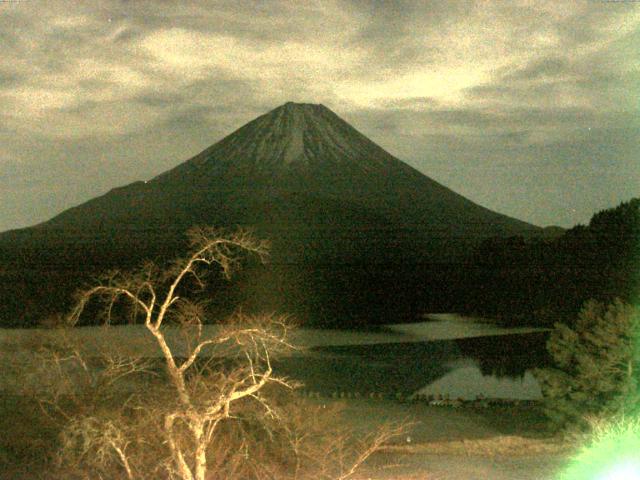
<point>536,281</point>
<point>543,281</point>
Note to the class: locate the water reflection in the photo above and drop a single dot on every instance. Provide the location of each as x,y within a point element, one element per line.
<point>466,381</point>
<point>495,366</point>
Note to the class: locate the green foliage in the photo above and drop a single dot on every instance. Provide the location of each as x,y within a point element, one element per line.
<point>547,280</point>
<point>596,370</point>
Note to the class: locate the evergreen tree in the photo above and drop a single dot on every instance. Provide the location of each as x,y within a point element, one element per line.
<point>596,370</point>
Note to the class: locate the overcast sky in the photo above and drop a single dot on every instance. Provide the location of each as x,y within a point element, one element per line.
<point>528,108</point>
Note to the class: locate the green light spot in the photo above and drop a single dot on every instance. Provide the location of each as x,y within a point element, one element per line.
<point>624,471</point>
<point>613,454</point>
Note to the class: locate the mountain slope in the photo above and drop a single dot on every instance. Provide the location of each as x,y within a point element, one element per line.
<point>296,154</point>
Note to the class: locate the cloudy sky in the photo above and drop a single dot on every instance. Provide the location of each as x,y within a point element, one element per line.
<point>529,108</point>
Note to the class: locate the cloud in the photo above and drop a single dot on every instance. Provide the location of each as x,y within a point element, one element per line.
<point>548,67</point>
<point>125,90</point>
<point>190,55</point>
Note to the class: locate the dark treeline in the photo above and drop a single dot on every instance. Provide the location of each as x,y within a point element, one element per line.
<point>334,283</point>
<point>350,283</point>
<point>546,280</point>
<point>39,275</point>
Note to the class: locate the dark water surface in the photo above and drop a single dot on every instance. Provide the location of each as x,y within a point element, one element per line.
<point>404,369</point>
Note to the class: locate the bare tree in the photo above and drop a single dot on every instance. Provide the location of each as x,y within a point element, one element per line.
<point>203,401</point>
<point>213,405</point>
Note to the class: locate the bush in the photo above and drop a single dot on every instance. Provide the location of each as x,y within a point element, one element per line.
<point>596,368</point>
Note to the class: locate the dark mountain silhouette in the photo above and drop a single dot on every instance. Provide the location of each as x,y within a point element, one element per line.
<point>351,225</point>
<point>295,164</point>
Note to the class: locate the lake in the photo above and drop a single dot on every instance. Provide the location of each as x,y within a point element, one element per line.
<point>446,355</point>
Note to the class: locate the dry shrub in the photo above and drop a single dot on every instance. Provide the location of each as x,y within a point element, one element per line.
<point>294,438</point>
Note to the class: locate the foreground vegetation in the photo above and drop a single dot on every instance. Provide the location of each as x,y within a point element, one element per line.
<point>441,439</point>
<point>592,392</point>
<point>596,371</point>
<point>215,407</point>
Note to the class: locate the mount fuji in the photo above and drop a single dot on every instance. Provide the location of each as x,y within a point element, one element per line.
<point>350,225</point>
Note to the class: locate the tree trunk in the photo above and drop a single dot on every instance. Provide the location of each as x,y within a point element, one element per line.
<point>200,455</point>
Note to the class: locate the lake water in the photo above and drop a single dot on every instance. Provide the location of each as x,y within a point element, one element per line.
<point>444,355</point>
